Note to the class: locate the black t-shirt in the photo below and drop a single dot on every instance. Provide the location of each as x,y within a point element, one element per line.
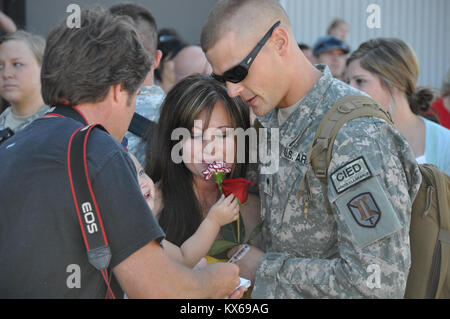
<point>42,253</point>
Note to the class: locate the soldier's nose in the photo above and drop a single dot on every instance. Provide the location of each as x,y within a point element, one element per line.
<point>233,89</point>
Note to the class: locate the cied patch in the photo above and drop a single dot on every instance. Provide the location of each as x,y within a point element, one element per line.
<point>350,174</point>
<point>364,210</point>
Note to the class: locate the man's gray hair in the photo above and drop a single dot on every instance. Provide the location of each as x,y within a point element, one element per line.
<point>81,64</point>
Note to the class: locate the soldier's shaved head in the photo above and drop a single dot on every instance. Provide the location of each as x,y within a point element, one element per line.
<point>232,30</point>
<point>244,17</point>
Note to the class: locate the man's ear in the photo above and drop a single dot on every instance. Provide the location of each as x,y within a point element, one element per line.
<point>117,91</point>
<point>281,40</point>
<point>158,57</point>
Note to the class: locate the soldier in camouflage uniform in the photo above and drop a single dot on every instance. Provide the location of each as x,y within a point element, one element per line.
<point>21,56</point>
<point>149,99</point>
<point>17,123</point>
<point>148,104</point>
<point>361,249</point>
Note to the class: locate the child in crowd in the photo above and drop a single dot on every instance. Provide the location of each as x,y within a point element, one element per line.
<point>224,211</point>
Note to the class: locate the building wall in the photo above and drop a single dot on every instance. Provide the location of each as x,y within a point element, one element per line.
<point>186,16</point>
<point>424,24</point>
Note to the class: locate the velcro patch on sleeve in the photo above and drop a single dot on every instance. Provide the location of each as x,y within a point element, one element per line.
<point>368,213</point>
<point>364,210</point>
<point>350,174</point>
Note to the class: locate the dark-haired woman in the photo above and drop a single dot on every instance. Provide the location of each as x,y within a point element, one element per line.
<point>387,70</point>
<point>199,107</point>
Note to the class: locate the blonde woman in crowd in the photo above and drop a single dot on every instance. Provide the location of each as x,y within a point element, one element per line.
<point>387,69</point>
<point>20,84</point>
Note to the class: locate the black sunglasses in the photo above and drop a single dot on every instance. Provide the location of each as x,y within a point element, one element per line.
<point>240,71</point>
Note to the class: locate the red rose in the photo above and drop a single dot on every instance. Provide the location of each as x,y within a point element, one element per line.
<point>238,187</point>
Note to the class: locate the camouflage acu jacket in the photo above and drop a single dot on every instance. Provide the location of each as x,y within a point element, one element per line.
<point>361,249</point>
<point>148,104</point>
<point>23,123</point>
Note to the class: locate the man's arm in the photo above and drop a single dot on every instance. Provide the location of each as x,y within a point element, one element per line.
<point>138,261</point>
<point>372,218</point>
<point>149,273</point>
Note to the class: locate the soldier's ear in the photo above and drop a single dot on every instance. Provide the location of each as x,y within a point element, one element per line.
<point>158,56</point>
<point>281,40</point>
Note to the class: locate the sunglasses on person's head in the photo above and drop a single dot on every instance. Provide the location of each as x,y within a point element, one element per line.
<point>240,71</point>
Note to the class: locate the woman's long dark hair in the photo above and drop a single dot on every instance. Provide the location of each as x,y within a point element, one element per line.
<point>181,215</point>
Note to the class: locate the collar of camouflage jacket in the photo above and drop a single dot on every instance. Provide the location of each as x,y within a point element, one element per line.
<point>151,90</point>
<point>310,108</point>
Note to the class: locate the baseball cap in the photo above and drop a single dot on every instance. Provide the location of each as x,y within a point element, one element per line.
<point>329,42</point>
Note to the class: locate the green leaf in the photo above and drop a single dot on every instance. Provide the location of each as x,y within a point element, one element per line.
<point>221,246</point>
<point>255,232</point>
<point>229,231</point>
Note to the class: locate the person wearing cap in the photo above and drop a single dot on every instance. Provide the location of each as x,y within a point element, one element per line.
<point>331,51</point>
<point>170,44</point>
<point>151,95</point>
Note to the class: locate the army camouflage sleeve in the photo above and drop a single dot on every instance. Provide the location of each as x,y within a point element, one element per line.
<point>373,179</point>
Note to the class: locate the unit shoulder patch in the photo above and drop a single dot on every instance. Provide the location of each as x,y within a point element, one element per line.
<point>350,174</point>
<point>364,210</point>
<point>367,212</point>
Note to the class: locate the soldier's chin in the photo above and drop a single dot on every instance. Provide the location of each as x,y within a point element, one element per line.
<point>260,111</point>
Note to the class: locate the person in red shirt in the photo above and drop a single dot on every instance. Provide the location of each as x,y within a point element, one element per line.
<point>442,105</point>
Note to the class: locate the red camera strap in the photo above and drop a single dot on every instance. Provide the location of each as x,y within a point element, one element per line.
<point>88,214</point>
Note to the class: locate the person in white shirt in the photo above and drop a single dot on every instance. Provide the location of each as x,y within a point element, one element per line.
<point>387,69</point>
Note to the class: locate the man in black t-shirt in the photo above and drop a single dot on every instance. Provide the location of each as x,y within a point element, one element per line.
<point>96,71</point>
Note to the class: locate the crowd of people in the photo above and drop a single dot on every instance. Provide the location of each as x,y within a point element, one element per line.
<point>157,217</point>
<point>387,69</point>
